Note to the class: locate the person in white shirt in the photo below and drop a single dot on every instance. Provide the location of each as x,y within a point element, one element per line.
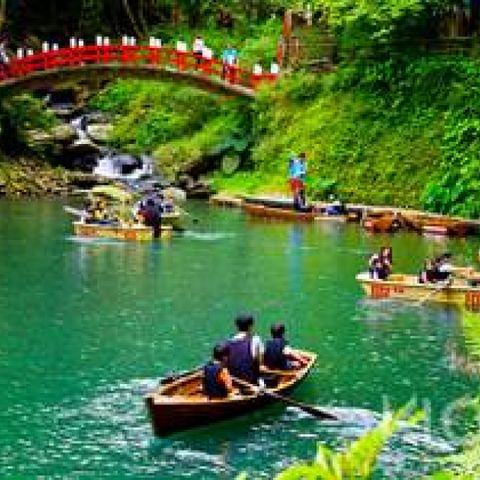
<point>198,46</point>
<point>246,350</point>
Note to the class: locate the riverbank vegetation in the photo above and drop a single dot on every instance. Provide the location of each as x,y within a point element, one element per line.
<point>390,115</point>
<point>392,121</point>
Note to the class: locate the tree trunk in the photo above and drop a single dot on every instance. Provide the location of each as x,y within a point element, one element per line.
<point>131,17</point>
<point>3,12</point>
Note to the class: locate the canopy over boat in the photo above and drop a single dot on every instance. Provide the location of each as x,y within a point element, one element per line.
<point>182,404</point>
<point>112,192</point>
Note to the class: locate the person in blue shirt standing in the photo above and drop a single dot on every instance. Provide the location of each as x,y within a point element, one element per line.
<point>229,59</point>
<point>298,173</point>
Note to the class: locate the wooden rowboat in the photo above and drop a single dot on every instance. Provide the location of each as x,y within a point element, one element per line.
<point>407,287</point>
<point>278,213</point>
<point>289,214</point>
<point>382,222</point>
<point>440,225</point>
<point>118,231</point>
<point>181,404</point>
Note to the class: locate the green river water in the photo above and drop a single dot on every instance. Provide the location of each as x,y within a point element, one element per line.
<point>87,327</point>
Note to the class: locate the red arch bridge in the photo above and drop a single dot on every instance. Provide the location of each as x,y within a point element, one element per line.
<point>29,68</point>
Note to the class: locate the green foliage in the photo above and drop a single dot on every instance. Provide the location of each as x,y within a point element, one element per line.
<point>149,114</point>
<point>257,43</point>
<point>371,22</point>
<point>402,132</point>
<point>323,188</point>
<point>356,462</point>
<point>372,134</point>
<point>180,125</point>
<point>456,188</point>
<point>19,114</point>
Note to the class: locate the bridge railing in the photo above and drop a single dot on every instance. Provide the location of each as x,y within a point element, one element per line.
<point>134,55</point>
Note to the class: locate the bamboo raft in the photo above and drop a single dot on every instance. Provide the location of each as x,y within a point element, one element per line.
<point>117,231</point>
<point>459,292</point>
<point>181,404</point>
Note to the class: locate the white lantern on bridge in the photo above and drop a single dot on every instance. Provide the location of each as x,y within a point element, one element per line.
<point>133,41</point>
<point>55,47</point>
<point>20,53</point>
<point>257,69</point>
<point>274,68</point>
<point>73,42</point>
<point>181,46</point>
<point>207,53</point>
<point>106,41</point>
<point>29,52</point>
<point>81,43</point>
<point>99,40</point>
<point>158,43</point>
<point>45,47</point>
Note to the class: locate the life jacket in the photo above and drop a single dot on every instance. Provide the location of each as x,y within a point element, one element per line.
<point>241,363</point>
<point>211,385</point>
<point>273,356</point>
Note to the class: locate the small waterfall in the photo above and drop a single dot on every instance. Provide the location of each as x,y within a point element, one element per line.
<point>110,165</point>
<point>123,166</point>
<point>80,125</point>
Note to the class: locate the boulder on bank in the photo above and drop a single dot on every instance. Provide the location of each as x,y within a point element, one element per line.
<point>64,134</point>
<point>83,146</point>
<point>99,132</point>
<point>38,137</point>
<point>176,194</point>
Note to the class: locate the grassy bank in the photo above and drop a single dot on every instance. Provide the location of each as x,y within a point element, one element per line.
<point>402,133</point>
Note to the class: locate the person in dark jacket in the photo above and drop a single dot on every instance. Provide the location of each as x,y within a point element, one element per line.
<point>217,382</point>
<point>246,351</point>
<point>152,217</point>
<point>278,356</point>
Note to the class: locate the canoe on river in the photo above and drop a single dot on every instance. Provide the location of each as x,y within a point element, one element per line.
<point>278,213</point>
<point>181,404</point>
<point>289,214</point>
<point>118,231</point>
<point>459,292</point>
<point>440,225</point>
<point>382,222</point>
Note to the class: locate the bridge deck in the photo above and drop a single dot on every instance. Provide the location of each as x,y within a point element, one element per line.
<point>121,60</point>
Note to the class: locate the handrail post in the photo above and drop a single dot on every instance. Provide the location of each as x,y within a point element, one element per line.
<point>181,53</point>
<point>106,50</point>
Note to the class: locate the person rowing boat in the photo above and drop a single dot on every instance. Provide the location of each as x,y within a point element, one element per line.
<point>278,355</point>
<point>181,404</point>
<point>246,350</point>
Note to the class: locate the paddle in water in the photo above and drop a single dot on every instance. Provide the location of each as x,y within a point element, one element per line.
<point>310,409</point>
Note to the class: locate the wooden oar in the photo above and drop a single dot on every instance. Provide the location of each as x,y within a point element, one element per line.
<point>174,376</point>
<point>440,287</point>
<point>310,409</point>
